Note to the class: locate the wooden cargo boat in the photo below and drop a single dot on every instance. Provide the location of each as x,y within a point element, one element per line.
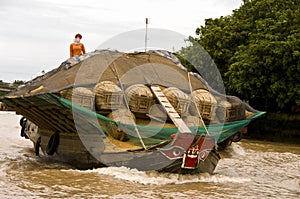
<point>138,110</point>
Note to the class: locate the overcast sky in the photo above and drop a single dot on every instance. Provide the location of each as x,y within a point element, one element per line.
<point>36,34</point>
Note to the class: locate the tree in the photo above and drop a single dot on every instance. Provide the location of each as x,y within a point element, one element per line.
<point>257,50</point>
<point>18,82</point>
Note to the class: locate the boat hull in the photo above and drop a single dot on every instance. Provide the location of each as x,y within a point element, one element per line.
<point>95,152</point>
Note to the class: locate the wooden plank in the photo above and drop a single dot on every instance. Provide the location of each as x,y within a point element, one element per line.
<point>43,116</point>
<point>172,113</point>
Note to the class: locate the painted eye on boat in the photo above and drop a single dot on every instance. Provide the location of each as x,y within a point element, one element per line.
<point>176,152</point>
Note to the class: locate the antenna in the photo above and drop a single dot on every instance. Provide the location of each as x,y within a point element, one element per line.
<point>146,37</point>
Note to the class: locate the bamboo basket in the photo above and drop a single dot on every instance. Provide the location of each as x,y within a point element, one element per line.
<point>81,96</point>
<point>125,117</point>
<point>140,98</point>
<point>231,109</point>
<point>108,96</point>
<point>205,102</point>
<point>192,121</point>
<point>178,99</point>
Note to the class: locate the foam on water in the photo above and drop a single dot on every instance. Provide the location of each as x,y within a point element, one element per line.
<point>156,178</point>
<point>238,150</point>
<point>235,150</point>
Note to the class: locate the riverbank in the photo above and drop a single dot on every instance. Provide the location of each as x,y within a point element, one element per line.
<point>277,127</point>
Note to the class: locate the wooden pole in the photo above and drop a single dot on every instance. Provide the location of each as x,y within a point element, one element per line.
<point>146,34</point>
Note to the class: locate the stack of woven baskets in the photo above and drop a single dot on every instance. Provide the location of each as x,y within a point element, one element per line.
<point>110,100</point>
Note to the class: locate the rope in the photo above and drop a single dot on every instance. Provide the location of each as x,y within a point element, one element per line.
<point>114,69</point>
<point>191,90</point>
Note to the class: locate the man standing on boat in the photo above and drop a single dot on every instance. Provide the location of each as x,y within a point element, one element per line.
<point>77,48</point>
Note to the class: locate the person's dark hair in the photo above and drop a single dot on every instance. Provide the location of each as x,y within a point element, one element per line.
<point>78,35</point>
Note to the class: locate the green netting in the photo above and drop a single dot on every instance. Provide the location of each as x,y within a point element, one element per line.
<point>153,135</point>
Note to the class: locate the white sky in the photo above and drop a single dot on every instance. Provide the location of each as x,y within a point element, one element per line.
<point>36,34</point>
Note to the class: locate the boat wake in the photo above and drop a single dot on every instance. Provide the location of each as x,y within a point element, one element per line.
<point>237,150</point>
<point>157,178</point>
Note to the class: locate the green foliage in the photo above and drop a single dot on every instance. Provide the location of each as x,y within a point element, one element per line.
<point>18,82</point>
<point>257,50</point>
<point>195,58</point>
<point>2,93</point>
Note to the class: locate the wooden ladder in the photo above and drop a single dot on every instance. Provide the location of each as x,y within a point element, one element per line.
<point>172,113</point>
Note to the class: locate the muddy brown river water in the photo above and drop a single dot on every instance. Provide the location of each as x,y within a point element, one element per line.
<point>249,169</point>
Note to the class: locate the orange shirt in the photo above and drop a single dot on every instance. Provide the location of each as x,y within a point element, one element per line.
<point>76,49</point>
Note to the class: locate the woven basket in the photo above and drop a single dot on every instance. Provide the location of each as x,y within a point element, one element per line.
<point>192,121</point>
<point>231,109</point>
<point>81,96</point>
<point>178,99</point>
<point>124,116</point>
<point>206,104</point>
<point>140,98</point>
<point>108,96</point>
